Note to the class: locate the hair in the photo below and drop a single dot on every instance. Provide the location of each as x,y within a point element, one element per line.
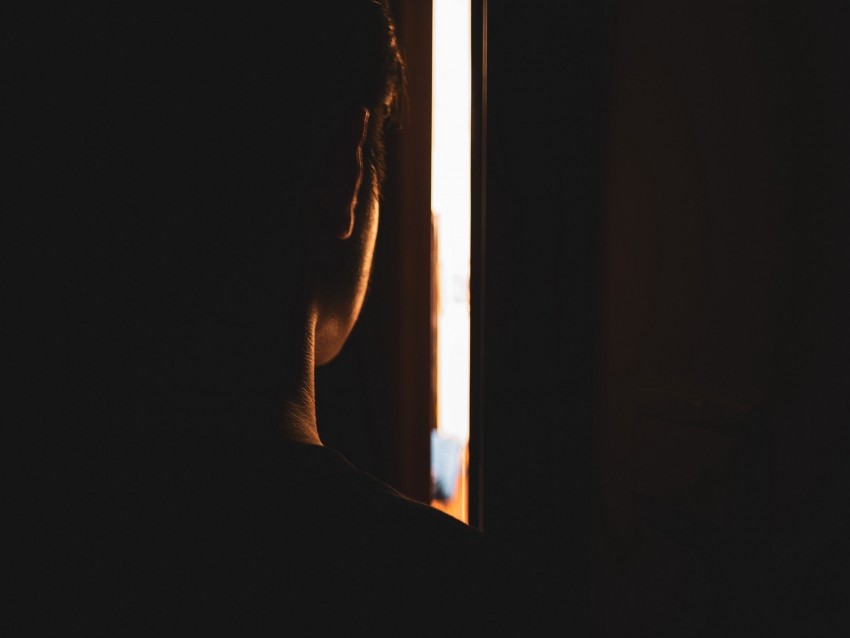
<point>386,91</point>
<point>354,60</point>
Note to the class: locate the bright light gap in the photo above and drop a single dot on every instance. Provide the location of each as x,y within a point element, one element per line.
<point>451,206</point>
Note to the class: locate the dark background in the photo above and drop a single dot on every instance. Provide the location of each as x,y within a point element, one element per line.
<point>660,306</point>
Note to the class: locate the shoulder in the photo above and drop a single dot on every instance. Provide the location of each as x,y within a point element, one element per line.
<point>374,513</point>
<point>471,580</point>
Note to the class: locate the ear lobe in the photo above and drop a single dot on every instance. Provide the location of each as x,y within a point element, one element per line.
<point>348,173</point>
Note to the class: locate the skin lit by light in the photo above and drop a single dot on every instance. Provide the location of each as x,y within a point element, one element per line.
<point>333,331</point>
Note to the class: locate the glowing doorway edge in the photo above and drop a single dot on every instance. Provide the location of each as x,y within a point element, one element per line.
<point>451,210</point>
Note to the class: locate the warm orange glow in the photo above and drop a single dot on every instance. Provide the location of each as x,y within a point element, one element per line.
<point>450,206</point>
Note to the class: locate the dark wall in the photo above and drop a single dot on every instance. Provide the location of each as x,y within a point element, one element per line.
<point>666,301</point>
<point>547,76</point>
<point>724,376</point>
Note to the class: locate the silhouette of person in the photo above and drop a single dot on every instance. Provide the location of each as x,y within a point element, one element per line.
<point>193,199</point>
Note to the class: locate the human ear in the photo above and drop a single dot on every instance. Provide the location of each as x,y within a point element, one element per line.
<point>347,172</point>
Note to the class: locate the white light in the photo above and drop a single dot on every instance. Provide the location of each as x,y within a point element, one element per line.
<point>450,204</point>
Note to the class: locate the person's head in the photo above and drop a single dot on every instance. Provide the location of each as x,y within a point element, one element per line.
<point>195,189</point>
<point>358,64</point>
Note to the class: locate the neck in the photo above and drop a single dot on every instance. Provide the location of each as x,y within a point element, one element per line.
<point>298,422</point>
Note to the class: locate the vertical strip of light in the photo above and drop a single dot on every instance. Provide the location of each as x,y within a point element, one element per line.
<point>450,205</point>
